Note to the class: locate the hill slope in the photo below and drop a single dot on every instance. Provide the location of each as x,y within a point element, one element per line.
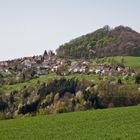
<point>105,41</point>
<point>118,123</point>
<point>129,61</point>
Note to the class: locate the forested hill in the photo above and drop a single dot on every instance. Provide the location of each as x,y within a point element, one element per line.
<point>103,42</point>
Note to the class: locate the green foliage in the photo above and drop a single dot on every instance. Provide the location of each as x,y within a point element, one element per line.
<point>60,107</point>
<point>61,86</point>
<point>137,79</point>
<point>105,41</point>
<point>111,92</point>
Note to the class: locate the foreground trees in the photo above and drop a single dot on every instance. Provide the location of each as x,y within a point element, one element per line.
<point>67,95</point>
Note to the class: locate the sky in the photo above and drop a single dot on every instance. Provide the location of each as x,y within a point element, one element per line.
<point>28,27</point>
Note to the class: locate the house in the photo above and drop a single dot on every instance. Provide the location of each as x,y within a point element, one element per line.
<point>65,62</point>
<point>1,69</point>
<point>47,62</point>
<point>42,70</point>
<point>3,63</point>
<point>76,69</point>
<point>91,70</point>
<point>38,59</point>
<point>100,66</point>
<point>84,69</point>
<point>58,61</point>
<point>98,71</point>
<point>27,63</point>
<point>85,63</point>
<point>33,62</point>
<point>55,67</point>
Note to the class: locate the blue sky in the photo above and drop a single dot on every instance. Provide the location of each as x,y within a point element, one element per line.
<point>28,27</point>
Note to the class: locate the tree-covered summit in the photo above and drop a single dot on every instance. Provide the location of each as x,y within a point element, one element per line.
<point>103,42</point>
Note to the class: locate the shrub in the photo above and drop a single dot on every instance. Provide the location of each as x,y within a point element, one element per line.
<point>2,116</point>
<point>47,101</point>
<point>64,106</point>
<point>119,81</point>
<point>3,105</point>
<point>80,96</point>
<point>28,108</point>
<point>56,97</point>
<point>137,79</point>
<point>60,107</point>
<point>41,112</point>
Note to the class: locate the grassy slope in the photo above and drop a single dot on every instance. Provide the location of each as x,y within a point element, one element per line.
<point>8,88</point>
<point>18,86</point>
<point>110,124</point>
<point>130,61</point>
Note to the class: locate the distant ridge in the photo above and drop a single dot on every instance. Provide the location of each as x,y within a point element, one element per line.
<point>119,41</point>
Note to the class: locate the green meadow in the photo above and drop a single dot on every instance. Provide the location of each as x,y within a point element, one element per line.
<point>108,124</point>
<point>130,61</point>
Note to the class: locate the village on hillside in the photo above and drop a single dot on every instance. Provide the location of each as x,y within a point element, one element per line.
<point>36,66</point>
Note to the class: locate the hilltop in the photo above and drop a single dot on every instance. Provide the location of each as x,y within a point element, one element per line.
<point>103,42</point>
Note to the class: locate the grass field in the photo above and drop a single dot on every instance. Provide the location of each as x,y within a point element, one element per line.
<point>109,124</point>
<point>129,61</point>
